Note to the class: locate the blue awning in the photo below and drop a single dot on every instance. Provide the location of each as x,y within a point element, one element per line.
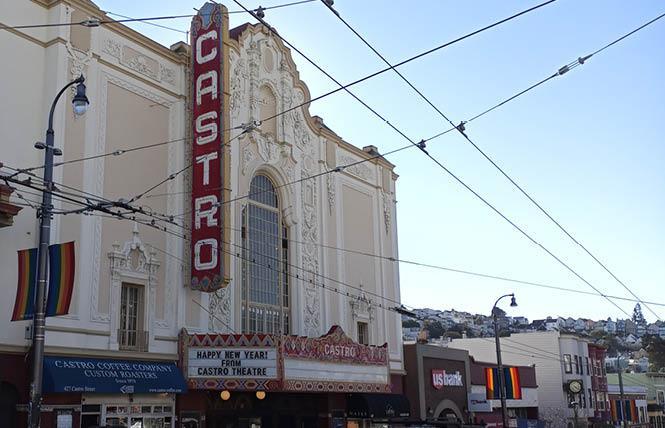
<point>63,374</point>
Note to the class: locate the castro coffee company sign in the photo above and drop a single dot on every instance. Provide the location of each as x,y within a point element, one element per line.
<point>207,153</point>
<point>441,378</point>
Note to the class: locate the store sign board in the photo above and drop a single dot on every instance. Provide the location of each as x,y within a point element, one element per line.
<point>65,374</point>
<point>335,346</point>
<point>232,363</point>
<point>478,402</point>
<point>207,175</point>
<point>441,378</point>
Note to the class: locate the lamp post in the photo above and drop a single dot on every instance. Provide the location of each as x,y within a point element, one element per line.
<point>499,365</point>
<point>80,104</point>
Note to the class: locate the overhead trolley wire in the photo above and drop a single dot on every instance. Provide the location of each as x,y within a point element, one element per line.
<point>94,22</point>
<point>421,146</point>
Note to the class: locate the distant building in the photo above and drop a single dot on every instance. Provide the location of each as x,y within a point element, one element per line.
<point>634,408</point>
<point>631,327</point>
<point>595,367</point>
<point>655,394</point>
<point>559,359</point>
<point>610,326</point>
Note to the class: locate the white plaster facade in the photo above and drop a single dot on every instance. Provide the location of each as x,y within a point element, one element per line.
<point>138,92</point>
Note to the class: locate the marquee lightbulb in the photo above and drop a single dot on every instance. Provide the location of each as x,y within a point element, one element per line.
<point>225,395</point>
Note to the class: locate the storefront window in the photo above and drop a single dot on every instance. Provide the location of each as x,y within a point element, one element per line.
<point>138,416</point>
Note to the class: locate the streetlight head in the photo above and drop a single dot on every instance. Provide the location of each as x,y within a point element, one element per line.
<point>80,101</point>
<point>513,302</point>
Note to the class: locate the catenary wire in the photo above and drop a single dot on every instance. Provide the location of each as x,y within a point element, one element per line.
<point>324,95</point>
<point>119,216</point>
<point>96,22</point>
<point>460,129</point>
<point>443,167</point>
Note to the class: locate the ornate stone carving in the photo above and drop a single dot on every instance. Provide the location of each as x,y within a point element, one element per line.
<point>330,181</point>
<point>113,48</point>
<point>361,307</point>
<point>265,144</point>
<point>239,78</point>
<point>141,64</point>
<point>360,170</point>
<point>247,158</point>
<point>80,61</point>
<point>167,74</point>
<point>387,210</point>
<point>254,54</point>
<point>219,311</point>
<point>310,253</point>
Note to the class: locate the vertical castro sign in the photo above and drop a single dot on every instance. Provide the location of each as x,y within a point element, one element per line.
<point>207,264</point>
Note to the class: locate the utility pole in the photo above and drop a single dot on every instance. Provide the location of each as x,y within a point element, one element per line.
<point>80,103</point>
<point>499,364</point>
<point>621,395</point>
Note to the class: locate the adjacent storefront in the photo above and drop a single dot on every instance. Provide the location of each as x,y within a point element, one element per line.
<point>437,383</point>
<point>521,395</point>
<point>268,380</point>
<point>117,392</point>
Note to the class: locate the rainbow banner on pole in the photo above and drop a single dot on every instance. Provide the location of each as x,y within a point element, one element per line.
<point>27,285</point>
<point>513,386</point>
<point>61,281</point>
<point>61,278</point>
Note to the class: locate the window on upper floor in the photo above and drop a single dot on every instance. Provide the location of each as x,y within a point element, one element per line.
<point>583,398</point>
<point>363,333</point>
<point>265,262</point>
<point>577,367</point>
<point>586,363</point>
<point>131,334</point>
<point>590,399</point>
<point>567,363</point>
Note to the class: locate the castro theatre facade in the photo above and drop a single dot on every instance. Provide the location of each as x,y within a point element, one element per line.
<point>295,333</point>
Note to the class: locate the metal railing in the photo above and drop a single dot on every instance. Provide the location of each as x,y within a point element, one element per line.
<point>133,340</point>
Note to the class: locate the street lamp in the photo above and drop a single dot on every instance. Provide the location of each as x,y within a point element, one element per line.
<point>499,365</point>
<point>80,105</point>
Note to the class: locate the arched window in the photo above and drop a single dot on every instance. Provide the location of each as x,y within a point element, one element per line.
<point>265,285</point>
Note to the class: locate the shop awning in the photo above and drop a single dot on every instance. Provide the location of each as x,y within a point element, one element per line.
<point>64,374</point>
<point>377,406</point>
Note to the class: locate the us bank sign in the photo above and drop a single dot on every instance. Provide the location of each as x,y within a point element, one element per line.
<point>441,378</point>
<point>209,154</point>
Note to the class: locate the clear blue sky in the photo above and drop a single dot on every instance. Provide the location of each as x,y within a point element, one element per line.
<point>588,145</point>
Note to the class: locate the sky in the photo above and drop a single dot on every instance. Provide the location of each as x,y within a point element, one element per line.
<point>588,145</point>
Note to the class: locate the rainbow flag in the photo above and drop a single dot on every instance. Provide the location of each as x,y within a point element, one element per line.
<point>61,278</point>
<point>513,387</point>
<point>27,285</point>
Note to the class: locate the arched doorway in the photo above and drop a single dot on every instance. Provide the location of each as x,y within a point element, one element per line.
<point>8,401</point>
<point>447,409</point>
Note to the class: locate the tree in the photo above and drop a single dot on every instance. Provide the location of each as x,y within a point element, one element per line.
<point>435,329</point>
<point>655,347</point>
<point>638,317</point>
<point>500,313</point>
<point>410,323</point>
